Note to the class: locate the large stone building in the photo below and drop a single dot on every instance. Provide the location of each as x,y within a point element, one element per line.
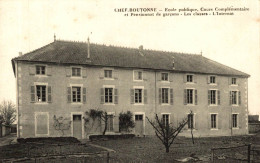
<point>59,82</point>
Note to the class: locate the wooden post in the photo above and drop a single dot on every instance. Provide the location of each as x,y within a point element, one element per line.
<point>107,157</point>
<point>212,155</point>
<point>248,152</point>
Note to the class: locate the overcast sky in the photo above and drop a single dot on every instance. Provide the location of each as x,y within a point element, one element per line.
<point>231,40</point>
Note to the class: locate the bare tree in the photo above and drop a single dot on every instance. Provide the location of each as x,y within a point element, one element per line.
<point>166,132</point>
<point>7,112</point>
<point>61,124</point>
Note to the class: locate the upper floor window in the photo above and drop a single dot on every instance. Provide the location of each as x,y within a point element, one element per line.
<point>234,81</point>
<point>41,93</point>
<point>138,75</point>
<point>108,73</point>
<point>40,70</point>
<point>190,96</point>
<point>108,95</point>
<point>213,121</point>
<point>165,95</point>
<point>212,79</point>
<point>138,95</point>
<point>165,119</point>
<point>190,121</point>
<point>76,71</point>
<point>76,94</point>
<point>165,76</point>
<point>234,121</point>
<point>213,97</point>
<point>234,97</point>
<point>190,78</point>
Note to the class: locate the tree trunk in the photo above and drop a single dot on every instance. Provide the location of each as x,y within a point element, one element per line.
<point>167,148</point>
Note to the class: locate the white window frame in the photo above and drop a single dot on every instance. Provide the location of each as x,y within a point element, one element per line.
<point>41,75</point>
<point>192,79</point>
<point>237,98</point>
<point>169,114</point>
<point>48,123</point>
<point>216,97</point>
<point>113,100</point>
<point>168,77</point>
<point>35,91</point>
<point>237,121</point>
<point>82,122</point>
<point>215,80</point>
<point>193,97</point>
<point>136,71</point>
<point>232,81</point>
<point>81,93</point>
<point>194,122</point>
<point>216,121</point>
<point>108,69</point>
<point>139,87</point>
<point>71,67</point>
<point>169,98</point>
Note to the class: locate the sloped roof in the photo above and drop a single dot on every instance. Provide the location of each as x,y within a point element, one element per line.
<point>68,52</point>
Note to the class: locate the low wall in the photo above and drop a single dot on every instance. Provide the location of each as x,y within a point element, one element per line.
<point>254,127</point>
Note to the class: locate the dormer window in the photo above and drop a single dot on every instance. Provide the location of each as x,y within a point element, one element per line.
<point>190,78</point>
<point>76,71</point>
<point>234,81</point>
<point>40,70</point>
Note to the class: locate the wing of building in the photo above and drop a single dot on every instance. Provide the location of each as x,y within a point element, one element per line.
<point>59,82</point>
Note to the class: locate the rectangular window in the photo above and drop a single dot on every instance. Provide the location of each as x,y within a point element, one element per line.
<point>138,96</point>
<point>189,96</point>
<point>212,79</point>
<point>108,95</point>
<point>165,119</point>
<point>76,71</point>
<point>139,117</point>
<point>165,95</point>
<point>213,97</point>
<point>189,78</point>
<point>40,70</point>
<point>41,93</point>
<point>234,81</point>
<point>190,121</point>
<point>76,94</point>
<point>234,121</point>
<point>165,77</point>
<point>108,73</point>
<point>213,121</point>
<point>234,97</point>
<point>110,123</point>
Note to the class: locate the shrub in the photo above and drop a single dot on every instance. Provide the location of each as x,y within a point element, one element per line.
<point>126,121</point>
<point>51,140</point>
<point>98,137</point>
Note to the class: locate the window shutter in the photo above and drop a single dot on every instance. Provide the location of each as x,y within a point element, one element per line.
<point>102,74</point>
<point>230,98</point>
<point>230,121</point>
<point>84,72</point>
<point>218,122</point>
<point>185,78</point>
<point>32,70</point>
<point>218,97</point>
<point>171,96</point>
<point>69,94</point>
<point>239,120</point>
<point>84,95</point>
<point>115,74</point>
<point>49,68</point>
<point>144,76</point>
<point>132,95</point>
<point>209,121</point>
<point>102,96</point>
<point>208,79</point>
<point>195,78</point>
<point>145,96</point>
<point>196,97</point>
<point>49,94</point>
<point>160,95</point>
<point>208,97</point>
<point>32,93</point>
<point>68,72</point>
<point>116,96</point>
<point>170,76</point>
<point>185,97</point>
<point>239,97</point>
<point>237,81</point>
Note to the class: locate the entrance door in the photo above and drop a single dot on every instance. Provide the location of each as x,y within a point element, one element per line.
<point>139,125</point>
<point>77,126</point>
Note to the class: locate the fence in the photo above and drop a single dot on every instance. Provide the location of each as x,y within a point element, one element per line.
<point>241,153</point>
<point>40,153</point>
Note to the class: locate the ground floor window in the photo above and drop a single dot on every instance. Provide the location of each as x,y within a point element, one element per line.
<point>191,121</point>
<point>213,121</point>
<point>110,123</point>
<point>234,121</point>
<point>165,119</point>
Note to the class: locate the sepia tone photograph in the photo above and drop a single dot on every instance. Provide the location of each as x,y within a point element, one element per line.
<point>133,81</point>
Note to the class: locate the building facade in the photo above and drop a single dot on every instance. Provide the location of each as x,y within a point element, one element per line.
<point>58,83</point>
